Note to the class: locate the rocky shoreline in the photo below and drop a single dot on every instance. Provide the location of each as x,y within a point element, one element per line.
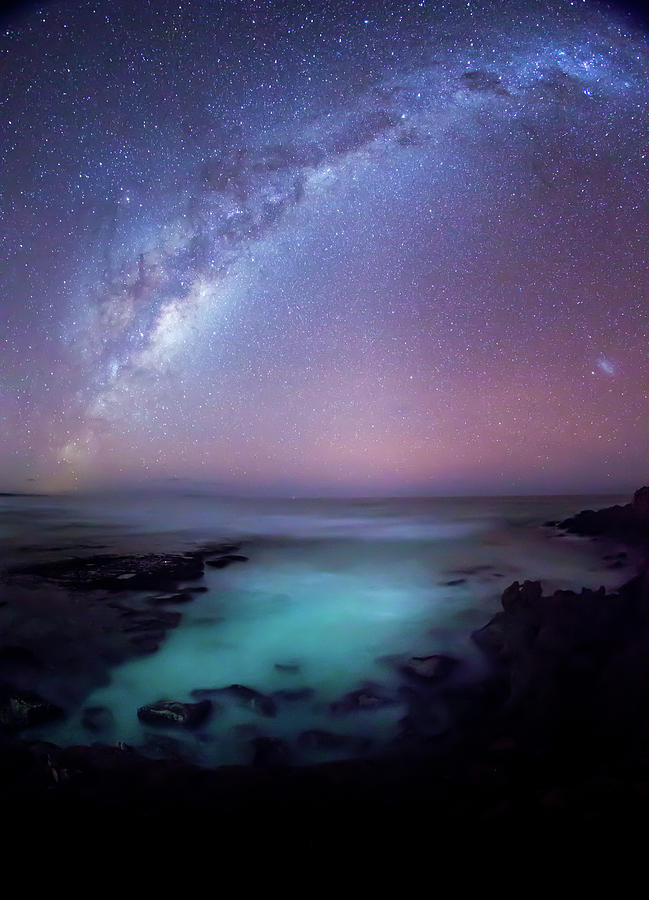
<point>557,733</point>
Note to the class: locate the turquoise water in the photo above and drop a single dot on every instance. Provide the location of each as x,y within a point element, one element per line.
<point>331,587</point>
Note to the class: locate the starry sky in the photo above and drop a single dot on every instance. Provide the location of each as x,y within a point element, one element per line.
<point>324,247</point>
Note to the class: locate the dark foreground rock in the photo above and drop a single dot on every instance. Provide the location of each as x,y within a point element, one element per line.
<point>20,710</point>
<point>175,714</point>
<point>319,739</point>
<point>270,752</point>
<point>573,661</point>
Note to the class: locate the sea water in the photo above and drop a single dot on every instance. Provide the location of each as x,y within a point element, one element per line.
<point>335,594</point>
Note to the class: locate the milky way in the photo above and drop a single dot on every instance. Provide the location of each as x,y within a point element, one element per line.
<point>321,247</point>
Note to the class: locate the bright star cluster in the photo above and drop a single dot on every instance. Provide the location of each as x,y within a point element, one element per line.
<point>325,247</point>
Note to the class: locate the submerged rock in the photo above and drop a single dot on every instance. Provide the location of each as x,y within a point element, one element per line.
<point>97,718</point>
<point>222,561</point>
<point>178,597</point>
<point>435,667</point>
<point>174,713</point>
<point>287,668</point>
<point>245,697</point>
<point>294,696</point>
<point>367,698</point>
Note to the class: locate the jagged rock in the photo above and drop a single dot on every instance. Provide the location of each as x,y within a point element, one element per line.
<point>24,709</point>
<point>641,502</point>
<point>628,523</point>
<point>174,713</point>
<point>524,596</point>
<point>246,697</point>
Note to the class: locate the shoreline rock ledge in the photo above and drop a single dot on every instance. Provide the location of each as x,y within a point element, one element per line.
<point>577,662</point>
<point>628,524</point>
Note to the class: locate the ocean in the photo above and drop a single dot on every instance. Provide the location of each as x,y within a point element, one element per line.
<point>335,594</point>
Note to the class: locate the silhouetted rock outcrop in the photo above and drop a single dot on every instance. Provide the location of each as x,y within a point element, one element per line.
<point>628,523</point>
<point>572,660</point>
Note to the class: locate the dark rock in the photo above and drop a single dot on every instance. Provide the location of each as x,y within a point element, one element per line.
<point>97,718</point>
<point>521,597</point>
<point>641,502</point>
<point>430,668</point>
<point>287,668</point>
<point>179,597</point>
<point>116,573</point>
<point>318,739</point>
<point>246,731</point>
<point>294,696</point>
<point>270,752</point>
<point>246,697</point>
<point>162,746</point>
<point>224,561</point>
<point>152,622</point>
<point>628,524</point>
<point>145,643</point>
<point>454,582</point>
<point>366,699</point>
<point>24,709</point>
<point>16,658</point>
<point>174,713</point>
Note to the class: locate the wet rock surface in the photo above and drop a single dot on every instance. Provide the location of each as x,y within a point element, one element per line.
<point>116,573</point>
<point>175,714</point>
<point>25,709</point>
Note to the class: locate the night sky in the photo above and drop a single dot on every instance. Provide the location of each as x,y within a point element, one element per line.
<point>321,248</point>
